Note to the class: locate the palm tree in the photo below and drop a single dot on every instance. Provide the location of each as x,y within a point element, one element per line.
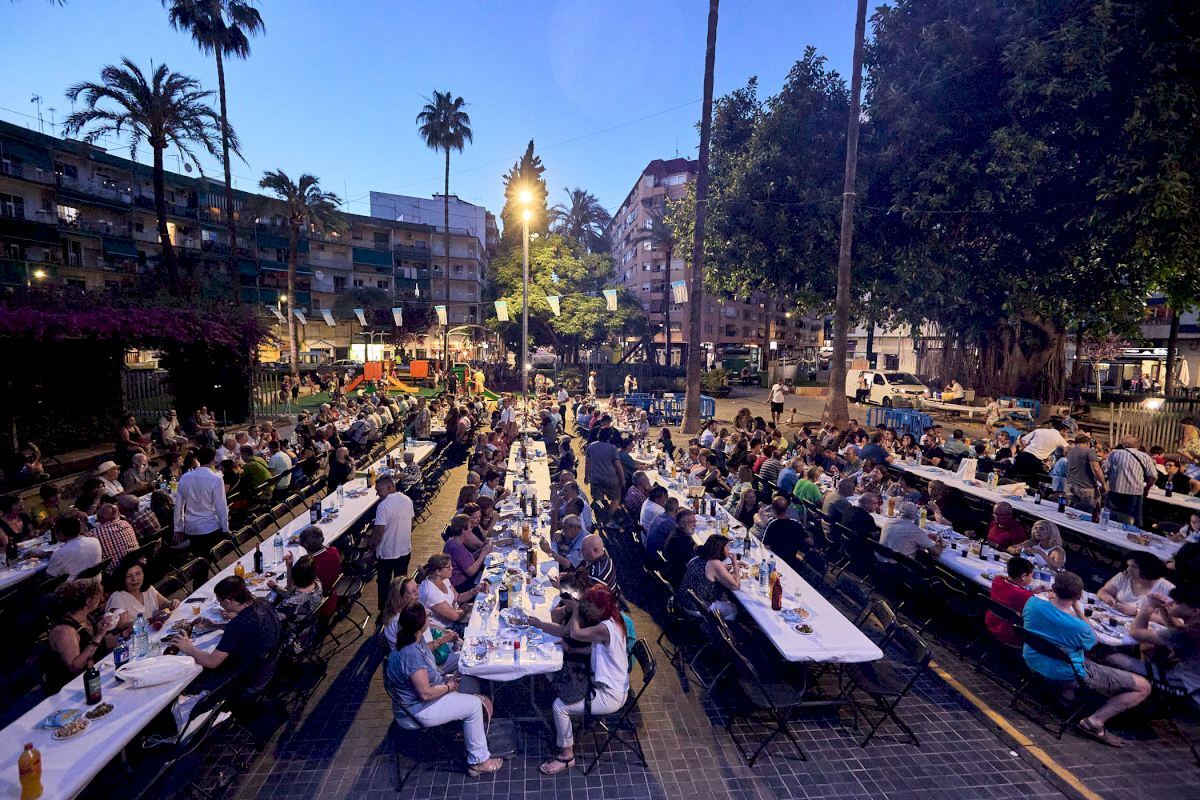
<point>169,109</point>
<point>661,236</point>
<point>222,28</point>
<point>583,219</point>
<point>691,406</point>
<point>836,410</point>
<point>308,208</point>
<point>445,126</point>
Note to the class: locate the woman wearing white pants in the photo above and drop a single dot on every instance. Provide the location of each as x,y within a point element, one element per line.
<point>599,622</point>
<point>416,685</point>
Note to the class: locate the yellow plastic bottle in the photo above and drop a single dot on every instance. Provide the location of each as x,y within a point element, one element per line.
<point>29,767</point>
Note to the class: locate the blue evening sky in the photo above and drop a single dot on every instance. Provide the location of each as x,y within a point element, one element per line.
<point>602,86</point>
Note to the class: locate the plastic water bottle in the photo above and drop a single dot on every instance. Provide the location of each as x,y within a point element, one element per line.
<point>341,496</point>
<point>993,480</point>
<point>140,646</point>
<point>278,546</point>
<point>764,576</point>
<point>1104,517</point>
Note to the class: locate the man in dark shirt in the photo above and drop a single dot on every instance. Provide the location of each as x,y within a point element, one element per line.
<point>662,526</point>
<point>858,518</point>
<point>874,449</point>
<point>834,504</point>
<point>600,566</point>
<point>785,536</point>
<point>249,646</point>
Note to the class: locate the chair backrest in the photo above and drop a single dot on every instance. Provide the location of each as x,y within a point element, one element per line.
<point>916,649</point>
<point>262,522</point>
<point>245,535</point>
<point>193,573</point>
<point>645,659</point>
<point>1042,645</point>
<point>879,612</point>
<point>853,591</point>
<point>1009,615</point>
<point>171,588</point>
<point>95,571</point>
<point>222,552</point>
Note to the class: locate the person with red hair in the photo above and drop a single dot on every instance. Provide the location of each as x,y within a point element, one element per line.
<point>597,621</point>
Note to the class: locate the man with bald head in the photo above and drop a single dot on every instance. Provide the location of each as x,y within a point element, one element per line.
<point>600,566</point>
<point>1131,475</point>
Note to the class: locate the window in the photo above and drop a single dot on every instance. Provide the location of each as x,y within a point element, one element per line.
<point>139,226</point>
<point>67,215</point>
<point>339,283</point>
<point>382,283</point>
<point>12,206</point>
<point>891,361</point>
<point>878,381</point>
<point>358,283</point>
<point>708,327</point>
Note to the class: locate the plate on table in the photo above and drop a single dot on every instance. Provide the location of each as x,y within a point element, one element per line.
<point>99,711</point>
<point>796,615</point>
<point>803,628</point>
<point>72,729</point>
<point>988,576</point>
<point>60,718</point>
<point>514,618</point>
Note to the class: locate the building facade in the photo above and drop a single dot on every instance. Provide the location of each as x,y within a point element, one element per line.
<point>72,214</point>
<point>755,328</point>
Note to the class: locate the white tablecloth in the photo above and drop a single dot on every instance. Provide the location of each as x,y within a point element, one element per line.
<point>1176,499</point>
<point>499,665</point>
<point>1114,535</point>
<point>68,766</point>
<point>834,638</point>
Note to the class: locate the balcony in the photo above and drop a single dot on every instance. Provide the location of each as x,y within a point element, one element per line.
<point>419,251</point>
<point>173,209</point>
<point>94,227</point>
<point>217,248</point>
<point>88,190</point>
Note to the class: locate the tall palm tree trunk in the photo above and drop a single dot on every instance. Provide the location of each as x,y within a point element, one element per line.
<point>691,409</point>
<point>1172,361</point>
<point>293,259</point>
<point>160,211</point>
<point>667,309</point>
<point>446,223</point>
<point>836,411</point>
<point>229,220</point>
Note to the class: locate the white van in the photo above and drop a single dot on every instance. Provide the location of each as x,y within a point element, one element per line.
<point>884,388</point>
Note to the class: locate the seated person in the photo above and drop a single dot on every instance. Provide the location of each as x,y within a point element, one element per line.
<point>249,645</point>
<point>449,607</point>
<point>410,472</point>
<point>784,535</point>
<point>1059,619</point>
<point>1189,532</point>
<point>745,510</point>
<point>1013,591</point>
<point>297,602</point>
<point>947,508</point>
<point>663,524</point>
<point>567,548</point>
<point>1005,529</point>
<point>402,593</point>
<point>710,579</point>
<point>858,518</point>
<point>1144,574</point>
<point>328,563</point>
<point>1174,475</point>
<point>654,505</point>
<point>599,565</point>
<point>1044,544</point>
<point>423,695</point>
<point>135,597</point>
<point>904,536</point>
<point>73,640</point>
<point>77,553</point>
<point>1181,639</point>
<point>598,622</point>
<point>680,546</point>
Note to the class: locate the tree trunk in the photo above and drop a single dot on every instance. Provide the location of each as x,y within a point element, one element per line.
<point>1018,359</point>
<point>691,406</point>
<point>836,411</point>
<point>667,310</point>
<point>446,222</point>
<point>1172,360</point>
<point>160,211</point>
<point>229,220</point>
<point>1077,362</point>
<point>293,259</point>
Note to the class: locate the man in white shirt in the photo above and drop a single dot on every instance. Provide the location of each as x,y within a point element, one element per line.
<point>508,416</point>
<point>653,506</point>
<point>168,429</point>
<point>280,464</point>
<point>228,450</point>
<point>108,473</point>
<point>201,511</point>
<point>77,552</point>
<point>709,434</point>
<point>1029,465</point>
<point>392,535</point>
<point>778,391</point>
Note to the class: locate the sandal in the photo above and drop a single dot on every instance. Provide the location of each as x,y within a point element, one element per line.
<point>491,765</point>
<point>1099,734</point>
<point>566,765</point>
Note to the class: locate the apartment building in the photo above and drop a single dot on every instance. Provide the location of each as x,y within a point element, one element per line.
<point>73,214</point>
<point>755,328</point>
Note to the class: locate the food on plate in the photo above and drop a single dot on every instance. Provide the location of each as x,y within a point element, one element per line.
<point>60,718</point>
<point>72,728</point>
<point>102,710</point>
<point>804,628</point>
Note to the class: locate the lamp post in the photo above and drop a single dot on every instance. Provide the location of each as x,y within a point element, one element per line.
<point>525,196</point>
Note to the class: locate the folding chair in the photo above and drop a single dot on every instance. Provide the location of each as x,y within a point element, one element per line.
<point>95,571</point>
<point>622,726</point>
<point>261,523</point>
<point>853,593</point>
<point>194,573</point>
<point>171,588</point>
<point>245,539</point>
<point>886,683</point>
<point>774,697</point>
<point>222,554</point>
<point>282,513</point>
<point>1069,695</point>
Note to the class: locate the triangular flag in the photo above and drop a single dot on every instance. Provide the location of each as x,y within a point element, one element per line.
<point>362,317</point>
<point>300,316</point>
<point>552,299</point>
<point>278,314</point>
<point>610,298</point>
<point>502,310</point>
<point>398,317</point>
<point>328,315</point>
<point>441,312</point>
<point>679,292</point>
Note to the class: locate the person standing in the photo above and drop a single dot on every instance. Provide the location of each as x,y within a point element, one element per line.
<point>779,390</point>
<point>1085,479</point>
<point>1131,474</point>
<point>605,475</point>
<point>201,511</point>
<point>392,535</point>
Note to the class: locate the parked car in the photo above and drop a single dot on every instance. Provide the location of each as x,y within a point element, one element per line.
<point>343,363</point>
<point>888,389</point>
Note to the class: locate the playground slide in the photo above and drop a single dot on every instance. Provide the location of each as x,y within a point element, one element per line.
<point>400,386</point>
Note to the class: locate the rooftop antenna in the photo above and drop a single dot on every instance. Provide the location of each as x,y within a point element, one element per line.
<point>37,98</point>
<point>53,124</point>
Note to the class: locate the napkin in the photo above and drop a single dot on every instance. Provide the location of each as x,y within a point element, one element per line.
<point>156,670</point>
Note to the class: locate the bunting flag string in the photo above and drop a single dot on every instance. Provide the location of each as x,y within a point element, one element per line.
<point>552,300</point>
<point>441,314</point>
<point>362,317</point>
<point>398,316</point>
<point>300,316</point>
<point>502,310</point>
<point>278,314</point>
<point>610,299</point>
<point>328,315</point>
<point>679,292</point>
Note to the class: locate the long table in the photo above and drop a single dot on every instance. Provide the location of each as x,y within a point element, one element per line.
<point>26,568</point>
<point>498,663</point>
<point>1176,499</point>
<point>68,766</point>
<point>1115,535</point>
<point>833,639</point>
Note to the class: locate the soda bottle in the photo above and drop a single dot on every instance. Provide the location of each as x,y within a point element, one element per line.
<point>258,560</point>
<point>314,513</point>
<point>1062,502</point>
<point>91,684</point>
<point>239,570</point>
<point>121,653</point>
<point>1168,489</point>
<point>29,767</point>
<point>776,592</point>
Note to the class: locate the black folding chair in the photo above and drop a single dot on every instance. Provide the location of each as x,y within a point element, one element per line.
<point>853,593</point>
<point>1068,699</point>
<point>194,573</point>
<point>222,554</point>
<point>774,698</point>
<point>886,683</point>
<point>171,588</point>
<point>622,729</point>
<point>94,571</point>
<point>245,539</point>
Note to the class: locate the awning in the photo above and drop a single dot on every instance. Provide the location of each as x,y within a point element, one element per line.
<point>124,248</point>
